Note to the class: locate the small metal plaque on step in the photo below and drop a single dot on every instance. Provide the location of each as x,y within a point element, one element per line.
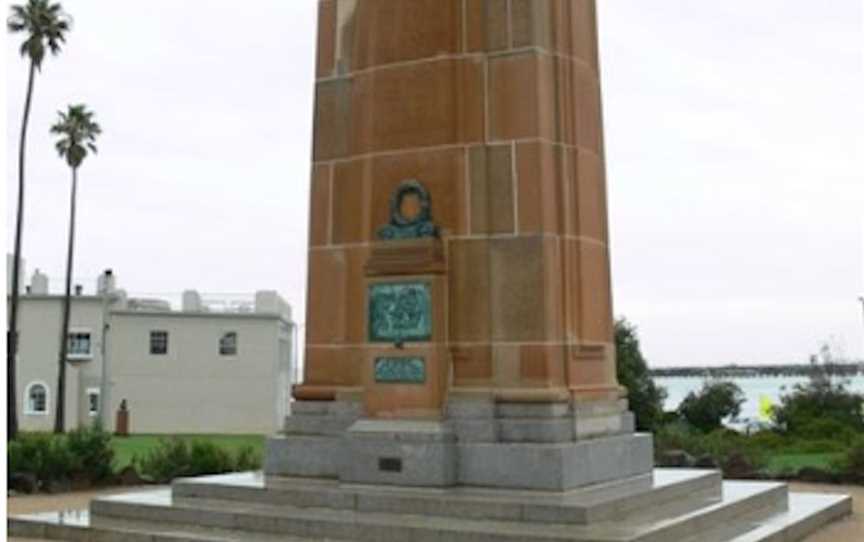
<point>390,464</point>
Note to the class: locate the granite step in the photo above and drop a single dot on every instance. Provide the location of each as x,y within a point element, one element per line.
<point>76,525</point>
<point>806,514</point>
<point>320,523</point>
<point>581,506</point>
<point>332,426</point>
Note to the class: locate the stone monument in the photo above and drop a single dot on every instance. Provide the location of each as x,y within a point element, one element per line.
<point>464,341</point>
<point>460,379</point>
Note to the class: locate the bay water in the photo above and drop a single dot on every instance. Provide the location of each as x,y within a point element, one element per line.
<point>759,391</point>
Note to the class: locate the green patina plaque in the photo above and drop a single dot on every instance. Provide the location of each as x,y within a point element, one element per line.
<point>400,370</point>
<point>400,312</point>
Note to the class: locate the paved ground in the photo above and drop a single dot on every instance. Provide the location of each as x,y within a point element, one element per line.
<point>848,530</point>
<point>30,504</point>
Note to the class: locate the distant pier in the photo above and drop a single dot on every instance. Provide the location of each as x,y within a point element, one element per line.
<point>756,371</point>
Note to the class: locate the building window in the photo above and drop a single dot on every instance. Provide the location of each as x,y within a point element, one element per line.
<point>228,344</point>
<point>158,342</point>
<point>80,344</point>
<point>93,401</point>
<point>37,398</point>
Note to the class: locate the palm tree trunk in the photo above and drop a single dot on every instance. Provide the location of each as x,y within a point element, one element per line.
<point>12,333</point>
<point>60,418</point>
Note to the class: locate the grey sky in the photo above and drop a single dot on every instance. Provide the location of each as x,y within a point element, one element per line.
<point>734,148</point>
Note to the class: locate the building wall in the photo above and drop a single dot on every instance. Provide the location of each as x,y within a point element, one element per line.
<point>38,352</point>
<point>192,388</point>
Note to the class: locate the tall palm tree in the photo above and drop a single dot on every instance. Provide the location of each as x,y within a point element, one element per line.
<point>77,131</point>
<point>44,25</point>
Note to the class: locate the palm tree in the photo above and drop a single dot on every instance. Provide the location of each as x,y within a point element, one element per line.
<point>45,25</point>
<point>77,131</point>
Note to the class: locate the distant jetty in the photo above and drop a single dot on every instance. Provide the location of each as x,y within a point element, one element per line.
<point>756,371</point>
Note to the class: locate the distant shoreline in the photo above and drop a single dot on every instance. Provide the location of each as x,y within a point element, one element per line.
<point>756,371</point>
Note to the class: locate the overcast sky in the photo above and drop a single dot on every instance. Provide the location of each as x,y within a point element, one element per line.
<point>734,140</point>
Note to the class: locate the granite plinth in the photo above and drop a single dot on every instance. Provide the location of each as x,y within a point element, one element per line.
<point>311,443</point>
<point>405,453</point>
<point>480,442</point>
<point>559,466</point>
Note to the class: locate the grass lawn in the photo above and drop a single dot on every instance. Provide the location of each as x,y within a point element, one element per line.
<point>793,462</point>
<point>127,447</point>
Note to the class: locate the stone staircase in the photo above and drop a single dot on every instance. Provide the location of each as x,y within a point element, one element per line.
<point>667,505</point>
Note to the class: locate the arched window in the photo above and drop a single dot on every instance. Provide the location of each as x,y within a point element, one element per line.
<point>36,398</point>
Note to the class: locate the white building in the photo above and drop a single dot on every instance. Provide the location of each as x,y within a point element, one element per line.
<point>211,367</point>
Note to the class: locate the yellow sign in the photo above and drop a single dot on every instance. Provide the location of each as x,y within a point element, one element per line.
<point>766,408</point>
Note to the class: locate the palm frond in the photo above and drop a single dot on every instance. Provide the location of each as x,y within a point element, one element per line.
<point>45,24</point>
<point>77,131</point>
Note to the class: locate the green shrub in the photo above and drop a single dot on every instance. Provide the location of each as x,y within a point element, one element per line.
<point>21,455</point>
<point>44,455</point>
<point>819,406</point>
<point>247,459</point>
<point>177,457</point>
<point>723,445</point>
<point>677,436</point>
<point>855,458</point>
<point>707,408</point>
<point>207,458</point>
<point>644,396</point>
<point>825,429</point>
<point>727,446</point>
<point>852,463</point>
<point>91,453</point>
<point>169,459</point>
<point>769,440</point>
<point>816,446</point>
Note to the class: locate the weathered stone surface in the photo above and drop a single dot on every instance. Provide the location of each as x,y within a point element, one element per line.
<point>541,195</point>
<point>554,466</point>
<point>540,410</point>
<point>316,456</point>
<point>522,96</point>
<point>404,31</point>
<point>668,505</point>
<point>508,142</point>
<point>400,453</point>
<point>458,408</point>
<point>535,430</point>
<point>492,196</point>
<point>332,119</point>
<point>468,430</point>
<point>299,424</point>
<point>326,59</point>
<point>319,206</point>
<point>470,299</point>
